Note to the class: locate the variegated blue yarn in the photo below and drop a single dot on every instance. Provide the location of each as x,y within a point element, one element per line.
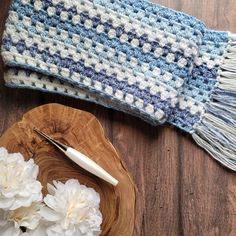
<point>135,56</point>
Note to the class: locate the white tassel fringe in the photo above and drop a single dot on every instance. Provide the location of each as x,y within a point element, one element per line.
<point>216,132</point>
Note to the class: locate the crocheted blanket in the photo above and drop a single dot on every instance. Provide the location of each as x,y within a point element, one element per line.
<point>134,56</point>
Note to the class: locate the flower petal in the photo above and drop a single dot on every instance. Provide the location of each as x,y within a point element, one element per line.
<point>49,214</point>
<point>9,230</point>
<point>6,203</point>
<point>51,189</point>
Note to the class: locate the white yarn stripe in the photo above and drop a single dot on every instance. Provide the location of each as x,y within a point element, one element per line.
<point>193,106</point>
<point>43,82</point>
<point>206,58</point>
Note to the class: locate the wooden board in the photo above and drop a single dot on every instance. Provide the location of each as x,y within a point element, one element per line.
<point>82,131</point>
<point>182,190</point>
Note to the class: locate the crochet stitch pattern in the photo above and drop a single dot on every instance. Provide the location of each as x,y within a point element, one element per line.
<point>134,56</point>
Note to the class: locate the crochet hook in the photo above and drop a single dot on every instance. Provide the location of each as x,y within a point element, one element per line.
<point>80,159</point>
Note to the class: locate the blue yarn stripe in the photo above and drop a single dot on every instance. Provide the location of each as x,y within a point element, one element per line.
<point>183,119</point>
<point>216,36</point>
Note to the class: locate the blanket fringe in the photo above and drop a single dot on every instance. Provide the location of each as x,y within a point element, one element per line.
<point>216,132</point>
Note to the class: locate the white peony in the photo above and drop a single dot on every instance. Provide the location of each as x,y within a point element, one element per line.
<point>12,222</point>
<point>72,209</point>
<point>18,184</point>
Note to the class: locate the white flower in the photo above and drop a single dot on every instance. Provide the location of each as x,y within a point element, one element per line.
<point>12,222</point>
<point>18,184</point>
<point>73,210</point>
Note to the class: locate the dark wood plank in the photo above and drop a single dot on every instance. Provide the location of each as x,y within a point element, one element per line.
<point>184,191</point>
<point>207,189</point>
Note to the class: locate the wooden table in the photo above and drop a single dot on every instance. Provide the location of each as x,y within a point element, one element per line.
<point>183,191</point>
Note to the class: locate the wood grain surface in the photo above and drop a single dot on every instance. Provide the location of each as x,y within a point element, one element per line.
<point>82,131</point>
<point>183,191</point>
